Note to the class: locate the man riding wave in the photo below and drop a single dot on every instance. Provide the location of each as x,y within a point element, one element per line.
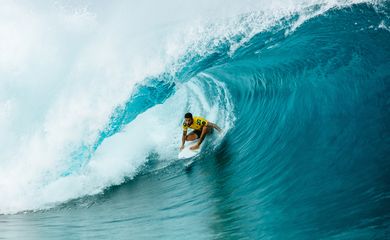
<point>201,127</point>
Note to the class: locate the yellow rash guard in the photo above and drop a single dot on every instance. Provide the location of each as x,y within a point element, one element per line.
<point>197,124</point>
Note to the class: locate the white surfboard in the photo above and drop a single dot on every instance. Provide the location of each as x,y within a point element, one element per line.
<point>188,153</point>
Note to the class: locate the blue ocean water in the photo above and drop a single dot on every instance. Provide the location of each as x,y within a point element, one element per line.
<point>304,104</point>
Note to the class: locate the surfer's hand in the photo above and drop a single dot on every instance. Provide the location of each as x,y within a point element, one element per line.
<point>194,147</point>
<point>181,147</point>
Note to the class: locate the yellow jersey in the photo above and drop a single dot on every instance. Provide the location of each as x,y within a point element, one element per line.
<point>197,124</point>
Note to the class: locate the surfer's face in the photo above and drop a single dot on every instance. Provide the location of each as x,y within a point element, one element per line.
<point>188,121</point>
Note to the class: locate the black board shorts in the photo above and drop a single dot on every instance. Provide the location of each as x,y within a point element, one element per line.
<point>197,132</point>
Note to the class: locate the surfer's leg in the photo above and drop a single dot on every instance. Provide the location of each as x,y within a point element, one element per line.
<point>191,137</point>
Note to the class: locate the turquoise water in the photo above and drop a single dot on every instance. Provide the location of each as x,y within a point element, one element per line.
<point>303,99</point>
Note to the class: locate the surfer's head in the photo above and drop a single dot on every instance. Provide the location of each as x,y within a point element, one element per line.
<point>188,119</point>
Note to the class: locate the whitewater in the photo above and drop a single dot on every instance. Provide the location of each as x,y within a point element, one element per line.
<point>93,94</point>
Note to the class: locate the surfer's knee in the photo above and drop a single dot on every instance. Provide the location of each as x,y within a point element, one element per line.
<point>191,137</point>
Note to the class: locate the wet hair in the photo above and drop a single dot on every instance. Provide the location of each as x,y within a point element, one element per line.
<point>188,115</point>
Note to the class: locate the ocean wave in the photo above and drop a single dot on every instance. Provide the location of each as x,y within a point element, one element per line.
<point>290,84</point>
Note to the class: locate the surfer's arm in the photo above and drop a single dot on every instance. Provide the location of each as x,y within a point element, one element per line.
<point>183,139</point>
<point>213,125</point>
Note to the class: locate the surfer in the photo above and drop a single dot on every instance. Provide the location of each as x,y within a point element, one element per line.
<point>201,127</point>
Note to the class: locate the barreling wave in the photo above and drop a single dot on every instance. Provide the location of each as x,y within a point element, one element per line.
<point>302,96</point>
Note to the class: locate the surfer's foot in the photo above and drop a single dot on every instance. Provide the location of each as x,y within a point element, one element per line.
<point>194,147</point>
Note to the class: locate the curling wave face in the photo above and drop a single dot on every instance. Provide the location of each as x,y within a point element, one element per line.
<point>302,96</point>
